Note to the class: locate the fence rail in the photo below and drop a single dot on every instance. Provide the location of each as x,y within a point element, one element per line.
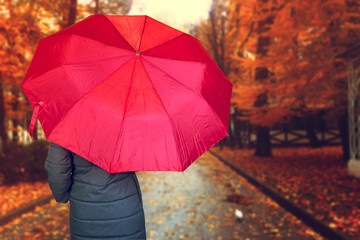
<point>243,134</point>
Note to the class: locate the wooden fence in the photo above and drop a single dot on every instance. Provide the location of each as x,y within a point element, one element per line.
<point>295,133</point>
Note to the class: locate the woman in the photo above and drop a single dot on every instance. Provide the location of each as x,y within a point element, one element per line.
<point>102,205</point>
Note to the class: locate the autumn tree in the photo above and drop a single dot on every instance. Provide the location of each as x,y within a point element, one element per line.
<point>219,34</point>
<point>19,34</point>
<point>119,7</point>
<point>294,65</point>
<point>22,24</point>
<point>262,73</point>
<point>72,12</point>
<point>61,14</point>
<point>352,23</point>
<point>281,57</point>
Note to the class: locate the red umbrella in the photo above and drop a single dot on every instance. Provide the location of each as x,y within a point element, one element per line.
<point>128,93</point>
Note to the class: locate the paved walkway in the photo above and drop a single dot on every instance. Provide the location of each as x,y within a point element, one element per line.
<point>198,204</point>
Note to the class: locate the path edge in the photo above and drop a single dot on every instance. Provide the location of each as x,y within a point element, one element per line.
<point>289,206</point>
<point>24,209</point>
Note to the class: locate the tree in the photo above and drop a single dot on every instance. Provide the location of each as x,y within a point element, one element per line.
<point>281,57</point>
<point>22,24</point>
<point>72,13</point>
<point>352,39</point>
<point>119,7</point>
<point>262,74</point>
<point>295,71</point>
<point>18,34</point>
<point>3,134</point>
<point>227,34</point>
<point>61,14</point>
<point>220,36</point>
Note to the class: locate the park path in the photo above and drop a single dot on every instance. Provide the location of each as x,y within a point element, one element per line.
<point>198,204</point>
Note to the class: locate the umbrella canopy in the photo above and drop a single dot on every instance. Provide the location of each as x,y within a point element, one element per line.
<point>128,93</point>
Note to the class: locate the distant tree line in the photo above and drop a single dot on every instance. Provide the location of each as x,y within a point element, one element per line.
<point>22,25</point>
<point>281,58</point>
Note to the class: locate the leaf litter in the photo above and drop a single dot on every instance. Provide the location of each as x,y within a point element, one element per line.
<point>315,179</point>
<point>199,203</point>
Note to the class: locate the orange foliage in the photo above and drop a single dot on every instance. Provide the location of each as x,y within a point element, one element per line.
<point>15,196</point>
<point>301,57</point>
<point>22,25</point>
<point>304,37</point>
<point>19,33</point>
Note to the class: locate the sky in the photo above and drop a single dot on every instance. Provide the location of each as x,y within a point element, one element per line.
<point>176,13</point>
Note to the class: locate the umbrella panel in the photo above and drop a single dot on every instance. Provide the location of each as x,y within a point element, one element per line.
<point>132,113</point>
<point>142,32</point>
<point>196,125</point>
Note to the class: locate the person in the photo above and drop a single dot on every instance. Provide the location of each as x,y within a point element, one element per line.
<point>102,205</point>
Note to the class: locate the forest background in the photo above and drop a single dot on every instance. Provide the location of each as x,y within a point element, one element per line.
<point>281,56</point>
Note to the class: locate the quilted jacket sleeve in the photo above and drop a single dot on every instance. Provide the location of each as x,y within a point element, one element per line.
<point>58,165</point>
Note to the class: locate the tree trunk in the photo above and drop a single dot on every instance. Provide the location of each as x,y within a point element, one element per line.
<point>263,142</point>
<point>231,133</point>
<point>262,74</point>
<point>96,10</point>
<point>310,132</point>
<point>15,122</point>
<point>72,13</point>
<point>343,126</point>
<point>3,134</point>
<point>237,129</point>
<point>15,139</point>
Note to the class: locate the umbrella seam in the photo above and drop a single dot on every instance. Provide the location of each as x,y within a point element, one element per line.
<point>85,94</point>
<point>26,79</point>
<point>190,90</point>
<point>142,33</point>
<point>182,34</point>
<point>69,34</point>
<point>125,107</point>
<point>199,94</point>
<point>107,19</point>
<point>169,74</point>
<point>73,64</point>
<point>112,25</point>
<point>171,122</point>
<point>217,116</point>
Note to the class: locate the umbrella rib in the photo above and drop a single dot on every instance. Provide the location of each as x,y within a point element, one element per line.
<point>84,62</point>
<point>112,25</point>
<point>168,74</point>
<point>142,33</point>
<point>75,63</point>
<point>182,34</point>
<point>85,94</point>
<point>201,96</point>
<point>171,122</point>
<point>125,107</point>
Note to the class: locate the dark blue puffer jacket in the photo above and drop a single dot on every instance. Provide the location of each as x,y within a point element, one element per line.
<point>102,205</point>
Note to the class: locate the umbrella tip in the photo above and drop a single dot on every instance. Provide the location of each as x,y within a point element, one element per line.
<point>137,53</point>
